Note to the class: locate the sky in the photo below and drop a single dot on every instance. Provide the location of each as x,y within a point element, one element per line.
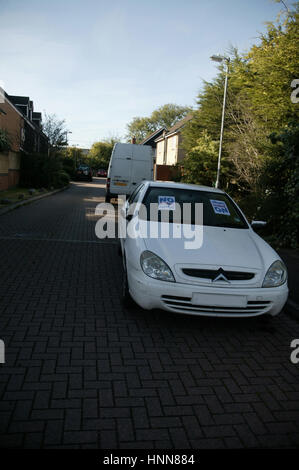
<point>99,63</point>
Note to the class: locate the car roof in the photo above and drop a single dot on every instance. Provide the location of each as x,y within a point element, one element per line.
<point>173,184</point>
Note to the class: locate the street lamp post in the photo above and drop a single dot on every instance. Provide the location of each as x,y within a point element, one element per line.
<point>218,58</point>
<point>66,133</point>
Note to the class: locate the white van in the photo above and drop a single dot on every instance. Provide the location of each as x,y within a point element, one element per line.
<point>129,165</point>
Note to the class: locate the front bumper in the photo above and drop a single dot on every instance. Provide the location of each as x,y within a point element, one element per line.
<point>177,297</point>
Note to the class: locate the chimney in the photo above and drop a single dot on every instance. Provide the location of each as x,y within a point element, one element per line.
<point>133,141</point>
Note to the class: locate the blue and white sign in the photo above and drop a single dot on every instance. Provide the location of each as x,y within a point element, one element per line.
<point>166,203</point>
<point>219,207</point>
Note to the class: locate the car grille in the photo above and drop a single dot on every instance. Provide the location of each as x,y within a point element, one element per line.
<point>212,274</point>
<point>185,303</point>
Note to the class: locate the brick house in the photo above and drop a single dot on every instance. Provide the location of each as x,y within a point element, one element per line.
<point>23,126</point>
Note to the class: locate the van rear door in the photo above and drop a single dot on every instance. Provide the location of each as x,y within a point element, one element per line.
<point>120,172</point>
<point>141,170</point>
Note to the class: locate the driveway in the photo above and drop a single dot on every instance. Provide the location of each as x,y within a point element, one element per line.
<point>83,372</point>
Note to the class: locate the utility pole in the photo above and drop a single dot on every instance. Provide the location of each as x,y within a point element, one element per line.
<point>218,58</point>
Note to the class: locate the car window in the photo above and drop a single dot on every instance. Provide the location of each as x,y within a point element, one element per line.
<point>134,196</point>
<point>218,209</point>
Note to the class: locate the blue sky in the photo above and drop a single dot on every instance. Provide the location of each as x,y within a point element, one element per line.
<point>99,63</point>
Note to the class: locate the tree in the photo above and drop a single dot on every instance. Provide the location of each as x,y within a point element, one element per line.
<point>258,101</point>
<point>272,65</point>
<point>99,154</point>
<point>165,116</point>
<point>56,132</point>
<point>71,158</point>
<point>201,163</point>
<point>207,118</point>
<point>280,180</point>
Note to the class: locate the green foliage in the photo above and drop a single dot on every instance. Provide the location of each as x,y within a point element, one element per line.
<point>70,158</point>
<point>60,179</point>
<point>261,172</point>
<point>272,65</point>
<point>42,171</point>
<point>281,182</point>
<point>5,143</point>
<point>201,164</point>
<point>69,166</point>
<point>99,154</point>
<point>165,116</point>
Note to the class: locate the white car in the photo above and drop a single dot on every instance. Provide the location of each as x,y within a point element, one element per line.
<point>234,273</point>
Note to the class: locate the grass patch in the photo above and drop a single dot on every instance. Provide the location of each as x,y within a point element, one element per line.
<point>13,194</point>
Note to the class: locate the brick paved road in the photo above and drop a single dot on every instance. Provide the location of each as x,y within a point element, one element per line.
<point>83,372</point>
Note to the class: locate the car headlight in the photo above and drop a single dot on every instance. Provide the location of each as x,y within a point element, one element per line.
<point>155,267</point>
<point>276,275</point>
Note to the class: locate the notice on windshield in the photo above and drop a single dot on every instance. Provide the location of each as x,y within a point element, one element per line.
<point>219,207</point>
<point>166,203</point>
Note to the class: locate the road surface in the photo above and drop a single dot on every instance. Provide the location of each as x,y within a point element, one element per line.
<point>83,372</point>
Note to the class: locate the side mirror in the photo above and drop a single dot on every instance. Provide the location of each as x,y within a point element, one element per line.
<point>258,224</point>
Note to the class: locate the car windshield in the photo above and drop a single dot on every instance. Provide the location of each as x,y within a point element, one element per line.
<point>218,209</point>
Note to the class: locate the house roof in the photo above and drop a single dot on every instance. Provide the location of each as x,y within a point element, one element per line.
<point>16,101</point>
<point>180,124</point>
<point>151,138</point>
<point>174,129</point>
<point>23,100</point>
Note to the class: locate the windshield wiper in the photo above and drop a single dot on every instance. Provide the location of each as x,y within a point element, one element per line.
<point>230,225</point>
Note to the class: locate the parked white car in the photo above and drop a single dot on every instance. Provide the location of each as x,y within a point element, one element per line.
<point>234,273</point>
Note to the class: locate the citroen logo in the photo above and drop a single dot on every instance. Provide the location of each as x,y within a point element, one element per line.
<point>220,276</point>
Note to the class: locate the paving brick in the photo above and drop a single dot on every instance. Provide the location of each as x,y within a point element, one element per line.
<point>80,437</point>
<point>192,427</point>
<point>83,372</point>
<point>219,431</point>
<point>33,440</point>
<point>245,434</point>
<point>165,422</point>
<point>5,417</point>
<point>73,418</point>
<point>90,408</point>
<point>42,399</point>
<point>151,434</point>
<point>208,444</point>
<point>125,429</point>
<point>255,424</point>
<point>203,415</point>
<point>53,432</point>
<point>22,410</point>
<point>108,440</point>
<point>140,418</point>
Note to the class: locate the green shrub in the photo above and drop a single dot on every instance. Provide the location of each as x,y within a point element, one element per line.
<point>69,167</point>
<point>60,179</point>
<point>42,171</point>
